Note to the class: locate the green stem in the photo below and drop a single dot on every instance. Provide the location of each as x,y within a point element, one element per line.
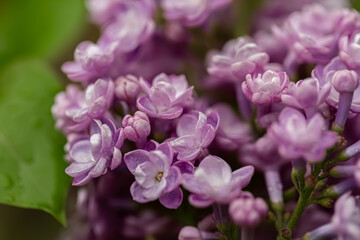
<point>300,207</point>
<point>290,194</point>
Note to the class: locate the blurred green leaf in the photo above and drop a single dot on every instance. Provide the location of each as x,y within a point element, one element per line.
<point>31,150</point>
<point>355,4</point>
<point>40,28</point>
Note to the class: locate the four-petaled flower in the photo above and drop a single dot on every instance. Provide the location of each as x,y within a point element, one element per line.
<point>155,178</point>
<point>195,131</point>
<point>214,182</point>
<point>166,98</point>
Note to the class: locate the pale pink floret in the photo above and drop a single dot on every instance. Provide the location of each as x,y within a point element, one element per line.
<point>266,88</point>
<point>214,182</point>
<point>298,137</point>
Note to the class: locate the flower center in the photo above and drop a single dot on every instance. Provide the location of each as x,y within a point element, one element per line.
<point>159,176</point>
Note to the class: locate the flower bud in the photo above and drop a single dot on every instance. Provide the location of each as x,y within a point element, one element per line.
<point>326,202</point>
<point>345,81</point>
<point>248,212</point>
<point>136,128</point>
<point>189,233</point>
<point>127,88</point>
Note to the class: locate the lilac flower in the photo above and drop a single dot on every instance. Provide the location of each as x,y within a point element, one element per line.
<point>298,137</point>
<point>346,218</point>
<point>193,233</point>
<point>248,211</point>
<point>105,11</point>
<point>98,98</point>
<point>92,157</point>
<point>74,110</point>
<point>127,88</point>
<point>191,13</point>
<point>155,178</point>
<point>350,50</point>
<point>213,181</point>
<point>265,89</point>
<point>137,127</point>
<point>91,61</point>
<point>166,98</point>
<point>306,94</point>
<point>306,41</point>
<point>238,58</point>
<point>263,154</point>
<point>232,132</point>
<point>326,74</point>
<point>195,131</point>
<point>132,27</point>
<point>66,105</point>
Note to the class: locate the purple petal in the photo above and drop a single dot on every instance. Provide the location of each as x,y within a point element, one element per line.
<point>137,193</point>
<point>184,167</point>
<point>172,199</point>
<point>119,138</point>
<point>183,97</point>
<point>186,125</point>
<point>171,113</point>
<point>173,179</point>
<point>81,151</point>
<point>205,135</point>
<point>167,150</point>
<point>192,184</point>
<point>154,192</point>
<point>183,143</point>
<point>159,95</point>
<point>99,169</point>
<point>189,154</point>
<point>97,108</point>
<point>145,175</point>
<point>116,160</point>
<point>160,161</point>
<point>240,69</point>
<point>242,176</point>
<point>75,72</point>
<point>76,169</point>
<point>215,170</point>
<point>135,158</point>
<point>82,179</point>
<point>151,145</point>
<point>213,119</point>
<point>199,201</point>
<point>290,101</point>
<point>144,104</point>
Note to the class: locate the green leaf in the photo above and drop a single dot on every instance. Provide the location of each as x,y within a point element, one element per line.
<point>39,28</point>
<point>31,150</point>
<point>355,4</point>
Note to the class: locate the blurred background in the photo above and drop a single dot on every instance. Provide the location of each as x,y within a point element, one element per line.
<point>36,37</point>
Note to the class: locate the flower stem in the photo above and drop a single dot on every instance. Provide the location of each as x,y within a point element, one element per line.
<point>243,103</point>
<point>247,233</point>
<point>221,214</point>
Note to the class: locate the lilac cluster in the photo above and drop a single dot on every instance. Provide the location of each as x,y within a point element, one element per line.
<point>282,104</point>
